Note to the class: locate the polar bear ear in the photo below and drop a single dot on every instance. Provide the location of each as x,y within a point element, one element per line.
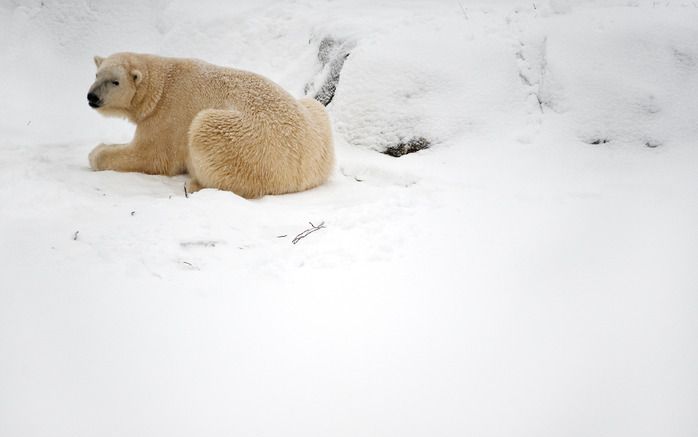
<point>98,61</point>
<point>137,76</point>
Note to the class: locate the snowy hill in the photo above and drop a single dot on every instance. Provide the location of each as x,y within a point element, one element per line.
<point>532,273</point>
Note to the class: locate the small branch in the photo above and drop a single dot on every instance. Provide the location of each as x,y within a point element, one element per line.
<point>307,232</point>
<point>186,193</point>
<point>75,235</point>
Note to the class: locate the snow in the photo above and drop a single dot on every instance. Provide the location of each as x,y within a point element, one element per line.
<point>532,273</point>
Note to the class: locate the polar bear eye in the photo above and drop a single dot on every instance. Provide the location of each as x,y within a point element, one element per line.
<point>115,82</point>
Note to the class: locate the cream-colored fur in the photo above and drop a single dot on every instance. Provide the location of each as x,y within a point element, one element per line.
<point>229,129</point>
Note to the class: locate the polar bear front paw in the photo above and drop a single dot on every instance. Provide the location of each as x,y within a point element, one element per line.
<point>192,186</point>
<point>96,157</point>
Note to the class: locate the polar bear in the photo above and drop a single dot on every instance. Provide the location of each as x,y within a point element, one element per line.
<point>228,129</point>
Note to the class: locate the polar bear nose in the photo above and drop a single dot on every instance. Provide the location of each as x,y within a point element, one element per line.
<point>93,100</point>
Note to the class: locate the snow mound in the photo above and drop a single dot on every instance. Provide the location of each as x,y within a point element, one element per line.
<point>623,76</point>
<point>429,79</point>
<point>615,77</point>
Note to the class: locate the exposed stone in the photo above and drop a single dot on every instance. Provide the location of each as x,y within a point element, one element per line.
<point>405,147</point>
<point>332,53</point>
<point>597,141</point>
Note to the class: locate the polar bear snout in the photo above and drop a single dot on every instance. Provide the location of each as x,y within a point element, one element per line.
<point>93,100</point>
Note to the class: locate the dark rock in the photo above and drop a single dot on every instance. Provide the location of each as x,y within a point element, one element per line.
<point>597,141</point>
<point>331,53</point>
<point>325,50</point>
<point>405,147</point>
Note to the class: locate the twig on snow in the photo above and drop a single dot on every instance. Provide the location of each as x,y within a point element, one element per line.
<point>307,232</point>
<point>186,193</point>
<point>75,235</point>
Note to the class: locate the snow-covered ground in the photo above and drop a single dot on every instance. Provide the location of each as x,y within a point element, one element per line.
<point>533,273</point>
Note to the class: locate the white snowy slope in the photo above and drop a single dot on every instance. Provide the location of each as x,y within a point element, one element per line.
<point>533,273</point>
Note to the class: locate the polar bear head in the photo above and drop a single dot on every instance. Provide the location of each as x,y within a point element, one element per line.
<point>116,84</point>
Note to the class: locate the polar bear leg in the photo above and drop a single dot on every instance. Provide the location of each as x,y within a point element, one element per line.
<point>121,157</point>
<point>223,153</point>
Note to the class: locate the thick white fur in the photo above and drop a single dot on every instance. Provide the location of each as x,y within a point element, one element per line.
<point>229,129</point>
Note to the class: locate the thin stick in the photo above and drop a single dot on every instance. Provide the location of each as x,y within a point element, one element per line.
<point>307,232</point>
